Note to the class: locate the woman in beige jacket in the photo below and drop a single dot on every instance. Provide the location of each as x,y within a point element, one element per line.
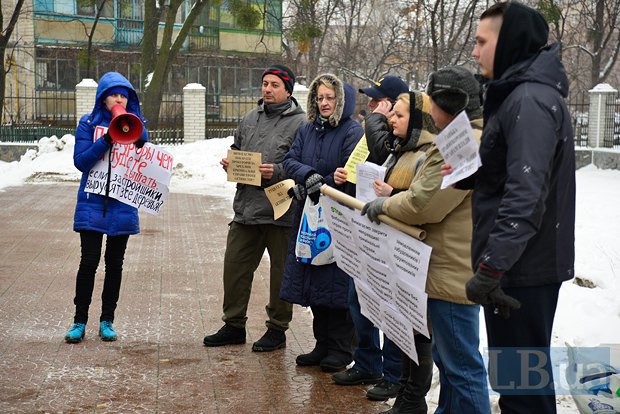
<point>412,136</point>
<point>445,215</point>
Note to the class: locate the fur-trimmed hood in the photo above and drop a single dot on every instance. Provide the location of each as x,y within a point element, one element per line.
<point>345,99</point>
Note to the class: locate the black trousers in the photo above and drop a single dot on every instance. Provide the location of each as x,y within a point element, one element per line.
<point>333,331</point>
<point>91,254</point>
<point>521,344</point>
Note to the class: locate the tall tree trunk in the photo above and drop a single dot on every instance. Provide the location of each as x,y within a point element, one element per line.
<point>5,35</point>
<point>597,40</point>
<point>148,57</point>
<point>91,34</point>
<point>167,53</point>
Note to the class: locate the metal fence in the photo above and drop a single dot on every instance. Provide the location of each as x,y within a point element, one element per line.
<point>611,135</point>
<point>44,113</point>
<point>45,108</point>
<point>31,133</point>
<point>578,107</point>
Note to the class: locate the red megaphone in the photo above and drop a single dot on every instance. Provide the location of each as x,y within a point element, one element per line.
<point>125,128</point>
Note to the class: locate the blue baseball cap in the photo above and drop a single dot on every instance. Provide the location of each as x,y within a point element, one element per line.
<point>386,87</point>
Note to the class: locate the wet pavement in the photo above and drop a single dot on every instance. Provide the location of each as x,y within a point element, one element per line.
<point>170,298</point>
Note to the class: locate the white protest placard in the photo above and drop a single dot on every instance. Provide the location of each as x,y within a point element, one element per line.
<point>399,330</point>
<point>139,177</point>
<point>388,267</point>
<point>370,304</point>
<point>379,279</point>
<point>338,218</point>
<point>410,258</point>
<point>411,302</point>
<point>367,173</point>
<point>349,261</point>
<point>372,238</point>
<point>459,148</point>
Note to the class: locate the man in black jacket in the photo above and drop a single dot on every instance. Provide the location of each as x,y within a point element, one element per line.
<point>523,202</point>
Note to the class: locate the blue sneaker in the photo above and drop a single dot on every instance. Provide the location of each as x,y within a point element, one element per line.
<point>106,331</point>
<point>76,333</point>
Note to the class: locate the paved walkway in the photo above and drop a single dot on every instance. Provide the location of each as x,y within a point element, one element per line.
<point>170,298</point>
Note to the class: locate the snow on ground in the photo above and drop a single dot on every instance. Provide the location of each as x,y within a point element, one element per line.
<point>585,316</point>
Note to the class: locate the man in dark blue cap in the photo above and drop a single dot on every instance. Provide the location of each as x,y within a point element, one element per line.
<point>382,96</point>
<point>374,365</point>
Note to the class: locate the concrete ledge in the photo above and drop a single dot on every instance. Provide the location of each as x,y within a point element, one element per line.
<point>604,158</point>
<point>13,152</point>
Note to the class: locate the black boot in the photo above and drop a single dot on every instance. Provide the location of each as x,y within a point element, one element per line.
<point>272,339</point>
<point>413,400</point>
<point>227,335</point>
<point>340,332</point>
<point>319,328</point>
<point>312,358</point>
<point>404,377</point>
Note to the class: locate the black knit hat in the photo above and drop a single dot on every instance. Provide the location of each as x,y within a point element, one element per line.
<point>453,89</point>
<point>284,73</point>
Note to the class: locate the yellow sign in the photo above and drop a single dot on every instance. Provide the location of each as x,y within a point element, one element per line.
<point>359,154</point>
<point>243,167</point>
<point>277,195</point>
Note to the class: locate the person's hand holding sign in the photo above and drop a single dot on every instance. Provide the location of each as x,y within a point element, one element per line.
<point>266,171</point>
<point>446,169</point>
<point>224,164</point>
<point>340,176</point>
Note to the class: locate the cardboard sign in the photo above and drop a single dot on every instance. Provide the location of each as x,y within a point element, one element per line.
<point>277,195</point>
<point>243,167</point>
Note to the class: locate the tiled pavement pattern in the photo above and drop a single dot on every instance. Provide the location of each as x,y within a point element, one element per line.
<point>170,298</point>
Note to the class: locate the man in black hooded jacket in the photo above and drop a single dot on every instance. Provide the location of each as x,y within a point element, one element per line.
<point>523,202</point>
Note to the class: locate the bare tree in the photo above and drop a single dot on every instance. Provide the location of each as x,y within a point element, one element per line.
<point>307,32</point>
<point>5,36</point>
<point>163,58</point>
<point>90,33</point>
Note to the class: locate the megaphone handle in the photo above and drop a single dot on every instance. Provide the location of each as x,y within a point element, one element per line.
<point>107,183</point>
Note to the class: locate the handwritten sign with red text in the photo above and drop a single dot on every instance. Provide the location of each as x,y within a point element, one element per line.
<point>139,177</point>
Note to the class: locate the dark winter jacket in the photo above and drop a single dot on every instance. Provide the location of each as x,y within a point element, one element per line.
<point>524,193</point>
<point>320,147</point>
<point>378,131</point>
<point>90,147</point>
<point>269,130</point>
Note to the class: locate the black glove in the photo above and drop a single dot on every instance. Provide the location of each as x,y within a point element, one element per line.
<point>107,138</point>
<point>374,208</point>
<point>313,186</point>
<point>484,288</point>
<point>140,143</point>
<point>298,192</point>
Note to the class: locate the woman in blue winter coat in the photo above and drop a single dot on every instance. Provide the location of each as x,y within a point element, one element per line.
<point>321,146</point>
<point>96,215</point>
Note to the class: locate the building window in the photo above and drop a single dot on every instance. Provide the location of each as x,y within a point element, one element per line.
<point>88,7</point>
<point>44,5</point>
<point>273,16</point>
<point>64,6</point>
<point>56,74</point>
<point>131,9</point>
